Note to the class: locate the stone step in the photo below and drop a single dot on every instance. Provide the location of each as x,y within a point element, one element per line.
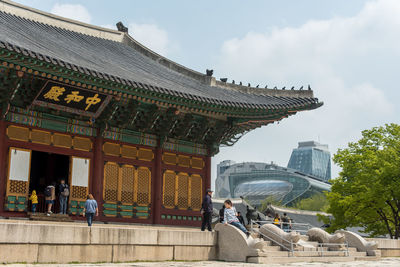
<point>271,248</point>
<point>302,254</point>
<point>357,254</point>
<point>52,217</point>
<point>273,254</point>
<point>58,215</point>
<point>306,249</point>
<point>319,253</point>
<point>284,260</point>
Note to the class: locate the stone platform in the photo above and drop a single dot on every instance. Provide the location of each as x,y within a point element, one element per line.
<point>51,242</point>
<point>55,217</point>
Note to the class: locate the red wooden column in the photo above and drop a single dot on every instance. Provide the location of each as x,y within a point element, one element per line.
<point>98,170</point>
<point>156,187</point>
<point>207,183</point>
<point>3,168</point>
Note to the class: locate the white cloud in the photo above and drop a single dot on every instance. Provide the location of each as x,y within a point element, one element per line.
<point>152,36</point>
<point>72,11</point>
<point>347,61</point>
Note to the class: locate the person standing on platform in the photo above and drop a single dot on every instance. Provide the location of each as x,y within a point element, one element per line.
<point>286,223</point>
<point>206,211</point>
<point>277,220</point>
<point>34,200</point>
<point>90,209</point>
<point>64,193</point>
<point>50,196</point>
<point>248,214</point>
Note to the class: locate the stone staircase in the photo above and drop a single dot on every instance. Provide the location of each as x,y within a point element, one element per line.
<point>258,249</point>
<point>54,217</point>
<point>270,253</point>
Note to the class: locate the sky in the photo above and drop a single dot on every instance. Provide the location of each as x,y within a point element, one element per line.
<point>348,51</point>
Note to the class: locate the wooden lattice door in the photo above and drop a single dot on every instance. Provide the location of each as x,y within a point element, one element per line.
<point>19,168</point>
<point>79,183</point>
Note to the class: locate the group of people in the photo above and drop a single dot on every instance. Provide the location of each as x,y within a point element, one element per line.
<point>228,214</point>
<point>89,211</point>
<point>285,223</point>
<point>50,197</point>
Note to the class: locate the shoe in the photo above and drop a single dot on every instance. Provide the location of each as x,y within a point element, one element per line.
<point>247,234</point>
<point>48,214</point>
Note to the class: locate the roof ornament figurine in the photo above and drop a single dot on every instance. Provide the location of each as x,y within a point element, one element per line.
<point>292,88</point>
<point>249,85</point>
<point>275,88</point>
<point>257,86</point>
<point>233,81</point>
<point>266,86</point>
<point>121,27</point>
<point>240,83</point>
<point>209,72</point>
<point>283,88</point>
<point>309,87</point>
<point>224,80</point>
<point>301,88</point>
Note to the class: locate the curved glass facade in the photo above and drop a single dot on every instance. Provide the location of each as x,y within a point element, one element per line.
<point>259,190</point>
<point>258,181</point>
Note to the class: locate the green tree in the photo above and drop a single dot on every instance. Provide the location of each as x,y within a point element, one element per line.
<point>367,192</point>
<point>317,202</point>
<point>268,201</point>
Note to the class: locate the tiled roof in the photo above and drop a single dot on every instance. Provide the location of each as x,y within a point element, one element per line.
<point>119,62</point>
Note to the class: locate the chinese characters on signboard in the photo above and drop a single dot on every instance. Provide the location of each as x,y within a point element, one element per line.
<point>72,99</point>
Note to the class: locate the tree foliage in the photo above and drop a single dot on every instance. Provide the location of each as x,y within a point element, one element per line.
<point>317,202</point>
<point>367,192</point>
<point>268,201</point>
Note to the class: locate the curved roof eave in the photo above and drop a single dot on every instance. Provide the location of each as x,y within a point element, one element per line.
<point>116,56</point>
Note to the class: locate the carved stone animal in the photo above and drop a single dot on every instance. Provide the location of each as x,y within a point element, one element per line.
<point>278,235</point>
<point>357,241</point>
<point>321,236</point>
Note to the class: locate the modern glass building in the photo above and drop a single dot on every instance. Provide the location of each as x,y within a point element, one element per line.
<point>312,158</point>
<point>308,173</point>
<point>257,181</point>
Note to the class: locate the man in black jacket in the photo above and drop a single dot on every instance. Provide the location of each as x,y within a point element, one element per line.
<point>207,210</point>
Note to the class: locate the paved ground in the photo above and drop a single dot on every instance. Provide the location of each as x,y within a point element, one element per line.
<point>387,262</point>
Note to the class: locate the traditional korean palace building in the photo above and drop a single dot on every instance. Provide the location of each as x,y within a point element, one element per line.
<point>95,107</point>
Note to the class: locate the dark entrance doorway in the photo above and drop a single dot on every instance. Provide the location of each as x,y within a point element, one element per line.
<point>46,169</point>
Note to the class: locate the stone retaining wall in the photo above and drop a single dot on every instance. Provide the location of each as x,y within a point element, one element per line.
<point>388,247</point>
<point>50,243</point>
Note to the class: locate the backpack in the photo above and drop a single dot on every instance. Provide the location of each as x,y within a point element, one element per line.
<point>65,193</point>
<point>47,191</point>
<point>285,219</point>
